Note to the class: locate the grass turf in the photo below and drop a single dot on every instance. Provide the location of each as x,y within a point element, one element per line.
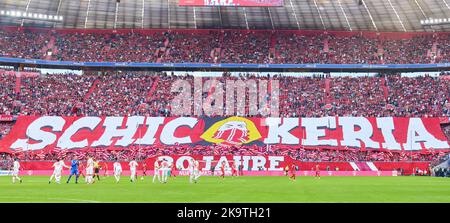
<point>239,189</point>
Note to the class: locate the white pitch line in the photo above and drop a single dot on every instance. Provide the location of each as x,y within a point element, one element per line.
<point>58,199</point>
<point>68,199</point>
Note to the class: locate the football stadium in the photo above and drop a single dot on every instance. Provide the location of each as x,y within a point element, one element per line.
<point>224,101</point>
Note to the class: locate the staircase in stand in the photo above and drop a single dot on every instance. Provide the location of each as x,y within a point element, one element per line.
<point>215,54</point>
<point>432,54</point>
<point>153,88</point>
<point>18,84</point>
<point>162,52</point>
<point>326,47</point>
<point>91,89</point>
<point>380,53</point>
<point>221,51</point>
<point>384,87</point>
<point>106,51</point>
<point>327,90</point>
<point>272,52</point>
<point>50,46</point>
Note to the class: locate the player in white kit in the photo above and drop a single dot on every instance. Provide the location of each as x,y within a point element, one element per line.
<point>58,167</point>
<point>90,170</point>
<point>165,170</point>
<point>15,173</point>
<point>117,171</point>
<point>133,166</point>
<point>156,171</point>
<point>194,172</point>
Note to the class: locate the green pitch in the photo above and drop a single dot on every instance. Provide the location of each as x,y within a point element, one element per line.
<point>239,189</point>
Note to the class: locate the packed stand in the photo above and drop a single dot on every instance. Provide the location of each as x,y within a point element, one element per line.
<point>407,51</point>
<point>242,47</point>
<point>94,47</point>
<point>5,128</point>
<point>352,50</point>
<point>160,102</point>
<point>443,49</point>
<point>116,95</point>
<point>56,94</point>
<point>23,44</point>
<point>419,97</point>
<point>234,46</point>
<point>296,49</point>
<point>193,48</point>
<point>355,96</point>
<point>149,93</point>
<point>302,97</point>
<point>8,103</point>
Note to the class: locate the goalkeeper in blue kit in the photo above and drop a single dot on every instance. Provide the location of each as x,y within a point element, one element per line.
<point>74,170</point>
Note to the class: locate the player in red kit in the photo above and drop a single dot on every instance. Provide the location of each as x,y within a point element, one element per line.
<point>81,168</point>
<point>293,169</point>
<point>286,170</point>
<point>172,170</point>
<point>222,168</point>
<point>144,170</point>
<point>105,167</point>
<point>317,171</point>
<point>234,170</point>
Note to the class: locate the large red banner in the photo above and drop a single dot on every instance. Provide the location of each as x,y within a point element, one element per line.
<point>246,3</point>
<point>387,133</point>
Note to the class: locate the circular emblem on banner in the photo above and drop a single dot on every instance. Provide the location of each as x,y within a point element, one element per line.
<point>232,131</point>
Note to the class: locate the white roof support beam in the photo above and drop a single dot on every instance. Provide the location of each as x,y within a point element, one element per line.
<point>168,13</point>
<point>26,11</point>
<point>246,21</point>
<point>271,20</point>
<point>57,11</point>
<point>423,13</point>
<point>295,14</point>
<point>345,16</point>
<point>87,14</point>
<point>421,10</point>
<point>398,16</point>
<point>370,15</point>
<point>220,16</point>
<point>195,18</point>
<point>142,14</point>
<point>446,4</point>
<point>320,15</point>
<point>115,16</point>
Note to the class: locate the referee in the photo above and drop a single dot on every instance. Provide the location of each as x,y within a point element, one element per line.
<point>96,169</point>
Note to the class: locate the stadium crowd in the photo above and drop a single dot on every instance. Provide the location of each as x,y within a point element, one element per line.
<point>356,96</point>
<point>129,93</point>
<point>240,47</point>
<point>420,96</point>
<point>93,47</point>
<point>191,47</point>
<point>234,46</point>
<point>23,44</point>
<point>150,93</point>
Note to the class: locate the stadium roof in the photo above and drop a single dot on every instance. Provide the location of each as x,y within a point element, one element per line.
<point>373,15</point>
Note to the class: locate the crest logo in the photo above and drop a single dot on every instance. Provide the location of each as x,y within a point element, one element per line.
<point>232,131</point>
